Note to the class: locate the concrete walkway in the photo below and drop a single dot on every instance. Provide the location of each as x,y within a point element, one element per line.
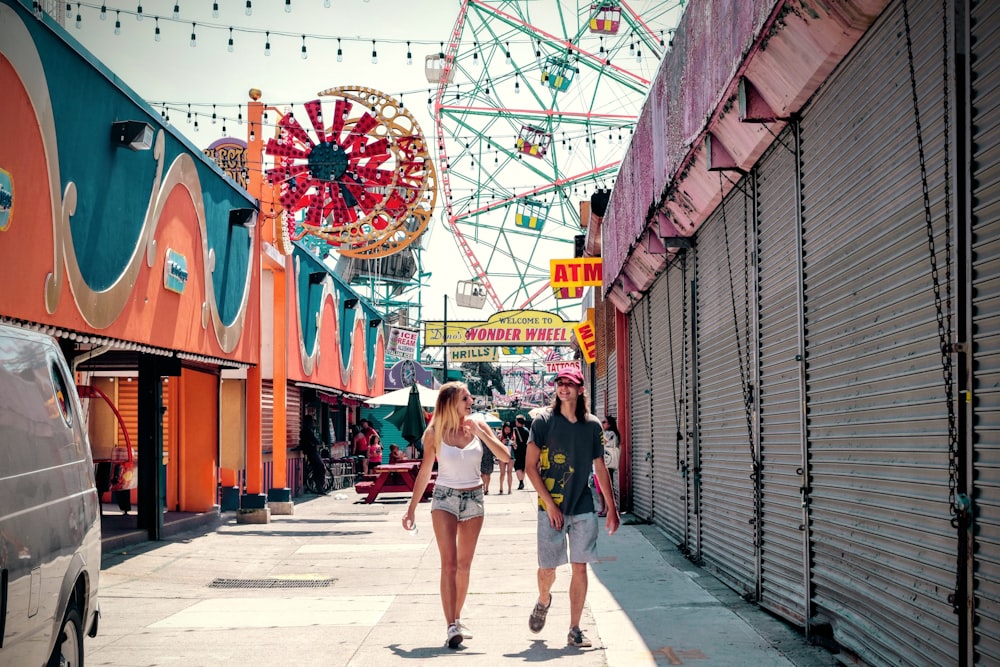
<point>340,583</point>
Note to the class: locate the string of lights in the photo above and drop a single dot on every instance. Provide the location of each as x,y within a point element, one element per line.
<point>104,12</point>
<point>194,111</point>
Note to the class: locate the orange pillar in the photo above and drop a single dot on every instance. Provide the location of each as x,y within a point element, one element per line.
<point>279,455</point>
<point>254,498</point>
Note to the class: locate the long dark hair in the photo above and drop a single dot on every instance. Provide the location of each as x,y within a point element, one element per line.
<point>580,409</point>
<point>613,426</point>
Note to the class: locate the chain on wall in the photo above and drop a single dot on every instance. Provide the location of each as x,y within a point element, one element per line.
<point>959,504</point>
<point>743,349</point>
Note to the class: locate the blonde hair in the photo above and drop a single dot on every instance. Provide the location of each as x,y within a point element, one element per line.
<point>447,418</point>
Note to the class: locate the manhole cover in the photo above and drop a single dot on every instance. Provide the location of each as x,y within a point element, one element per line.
<point>272,582</point>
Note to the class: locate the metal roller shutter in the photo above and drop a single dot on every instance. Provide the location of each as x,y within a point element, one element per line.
<point>782,552</point>
<point>669,307</point>
<point>882,548</point>
<point>661,435</point>
<point>986,324</point>
<point>639,383</point>
<point>267,416</point>
<point>293,410</point>
<point>726,538</point>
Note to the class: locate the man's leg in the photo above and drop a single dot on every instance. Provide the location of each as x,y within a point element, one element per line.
<point>577,593</point>
<point>546,578</point>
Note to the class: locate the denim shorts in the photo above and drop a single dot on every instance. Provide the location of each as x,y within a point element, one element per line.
<point>581,532</point>
<point>465,505</point>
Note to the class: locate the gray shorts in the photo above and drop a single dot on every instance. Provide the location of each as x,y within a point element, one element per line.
<point>581,529</point>
<point>464,505</point>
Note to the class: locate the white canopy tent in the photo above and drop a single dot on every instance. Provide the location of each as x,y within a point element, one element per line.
<point>428,397</point>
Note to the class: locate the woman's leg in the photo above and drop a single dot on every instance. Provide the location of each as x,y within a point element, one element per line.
<point>510,476</point>
<point>486,482</point>
<point>468,536</point>
<point>445,532</point>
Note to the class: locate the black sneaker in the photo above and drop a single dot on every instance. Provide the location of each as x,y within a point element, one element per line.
<point>577,638</point>
<point>537,619</point>
<point>454,636</point>
<point>520,485</point>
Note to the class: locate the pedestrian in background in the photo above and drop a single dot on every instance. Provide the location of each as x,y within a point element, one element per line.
<point>506,467</point>
<point>374,451</point>
<point>612,455</point>
<point>520,449</point>
<point>565,443</point>
<point>456,441</point>
<point>359,449</point>
<point>310,445</point>
<point>486,466</point>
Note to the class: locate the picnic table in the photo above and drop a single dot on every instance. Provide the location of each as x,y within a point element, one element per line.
<point>393,478</point>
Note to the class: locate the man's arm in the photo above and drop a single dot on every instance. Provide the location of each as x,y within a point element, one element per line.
<point>604,479</point>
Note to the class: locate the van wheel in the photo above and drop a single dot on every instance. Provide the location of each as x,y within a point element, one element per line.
<point>68,651</point>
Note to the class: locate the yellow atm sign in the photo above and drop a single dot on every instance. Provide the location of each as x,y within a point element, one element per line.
<point>578,272</point>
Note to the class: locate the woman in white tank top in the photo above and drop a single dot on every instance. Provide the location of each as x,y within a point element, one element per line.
<point>455,440</point>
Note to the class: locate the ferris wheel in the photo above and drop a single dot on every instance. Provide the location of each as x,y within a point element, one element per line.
<point>535,105</point>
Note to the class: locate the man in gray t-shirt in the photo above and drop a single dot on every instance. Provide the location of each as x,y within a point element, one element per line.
<point>564,446</point>
<point>568,450</point>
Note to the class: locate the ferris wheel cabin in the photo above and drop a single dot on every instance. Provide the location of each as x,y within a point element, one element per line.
<point>557,73</point>
<point>533,141</point>
<point>470,294</point>
<point>434,68</point>
<point>605,18</point>
<point>531,214</point>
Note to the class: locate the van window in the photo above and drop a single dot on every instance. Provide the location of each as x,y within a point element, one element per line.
<point>61,393</point>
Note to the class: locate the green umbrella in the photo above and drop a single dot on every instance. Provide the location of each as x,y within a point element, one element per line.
<point>409,419</point>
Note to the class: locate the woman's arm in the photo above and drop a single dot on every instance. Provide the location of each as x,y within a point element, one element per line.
<point>488,436</point>
<point>423,477</point>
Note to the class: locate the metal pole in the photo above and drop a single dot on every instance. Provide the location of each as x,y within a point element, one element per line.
<point>445,346</point>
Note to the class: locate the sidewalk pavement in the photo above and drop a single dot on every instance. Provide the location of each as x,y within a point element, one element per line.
<point>341,583</point>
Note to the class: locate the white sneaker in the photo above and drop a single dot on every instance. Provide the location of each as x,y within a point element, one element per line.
<point>454,636</point>
<point>466,632</point>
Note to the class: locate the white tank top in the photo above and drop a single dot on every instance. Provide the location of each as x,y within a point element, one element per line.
<point>458,468</point>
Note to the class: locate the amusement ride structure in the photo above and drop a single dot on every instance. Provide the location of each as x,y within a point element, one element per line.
<point>534,106</point>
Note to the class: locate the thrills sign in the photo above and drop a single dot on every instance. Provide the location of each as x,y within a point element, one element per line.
<point>579,272</point>
<point>519,328</point>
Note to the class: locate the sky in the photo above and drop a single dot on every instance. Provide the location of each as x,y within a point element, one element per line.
<point>207,78</point>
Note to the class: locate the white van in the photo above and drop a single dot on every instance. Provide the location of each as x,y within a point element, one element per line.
<point>50,522</point>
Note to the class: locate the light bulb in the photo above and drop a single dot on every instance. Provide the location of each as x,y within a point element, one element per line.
<point>79,20</point>
<point>138,13</point>
<point>230,46</point>
<point>215,10</point>
<point>326,3</point>
<point>305,54</point>
<point>118,26</point>
<point>177,11</point>
<point>156,33</point>
<point>194,37</point>
<point>288,6</point>
<point>249,7</point>
<point>104,13</point>
<point>267,44</point>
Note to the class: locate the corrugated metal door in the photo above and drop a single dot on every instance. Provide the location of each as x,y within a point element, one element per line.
<point>611,365</point>
<point>986,323</point>
<point>782,550</point>
<point>639,383</point>
<point>726,538</point>
<point>267,416</point>
<point>882,548</point>
<point>669,308</point>
<point>659,433</point>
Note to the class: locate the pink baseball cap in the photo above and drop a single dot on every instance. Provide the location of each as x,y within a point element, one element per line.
<point>572,374</point>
